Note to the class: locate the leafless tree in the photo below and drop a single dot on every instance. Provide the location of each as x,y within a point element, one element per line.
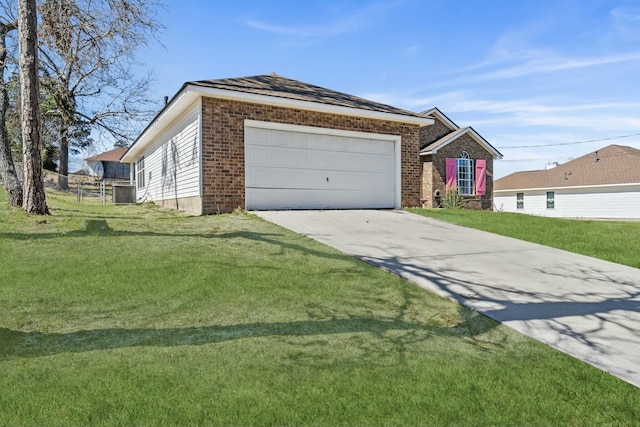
<point>88,54</point>
<point>35,201</point>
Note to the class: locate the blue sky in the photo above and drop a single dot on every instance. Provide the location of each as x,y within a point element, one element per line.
<point>522,72</point>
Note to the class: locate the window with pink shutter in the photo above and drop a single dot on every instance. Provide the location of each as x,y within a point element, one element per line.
<point>481,177</point>
<point>450,174</point>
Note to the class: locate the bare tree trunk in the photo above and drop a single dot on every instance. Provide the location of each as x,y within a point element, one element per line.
<point>63,164</point>
<point>35,201</point>
<point>7,169</point>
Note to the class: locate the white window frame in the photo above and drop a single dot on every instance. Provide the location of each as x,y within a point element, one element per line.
<point>551,201</point>
<point>519,200</point>
<point>464,174</point>
<point>140,173</point>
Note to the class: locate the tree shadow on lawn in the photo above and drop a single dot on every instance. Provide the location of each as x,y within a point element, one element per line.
<point>36,344</point>
<point>609,303</point>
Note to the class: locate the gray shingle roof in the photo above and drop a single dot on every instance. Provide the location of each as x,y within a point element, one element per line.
<point>616,164</point>
<point>109,156</point>
<point>282,87</point>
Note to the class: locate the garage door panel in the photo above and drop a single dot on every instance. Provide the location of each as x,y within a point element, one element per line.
<point>317,180</point>
<point>273,157</point>
<point>297,170</point>
<point>317,199</point>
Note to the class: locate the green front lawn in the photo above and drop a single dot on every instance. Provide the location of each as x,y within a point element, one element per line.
<point>614,241</point>
<point>168,319</point>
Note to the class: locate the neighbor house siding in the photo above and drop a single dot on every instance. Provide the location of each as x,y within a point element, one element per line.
<point>223,168</point>
<point>595,202</point>
<point>172,164</point>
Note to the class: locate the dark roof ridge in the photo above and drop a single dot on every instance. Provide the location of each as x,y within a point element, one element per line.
<point>288,88</point>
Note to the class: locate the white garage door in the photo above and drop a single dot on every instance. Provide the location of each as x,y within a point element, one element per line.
<point>300,167</point>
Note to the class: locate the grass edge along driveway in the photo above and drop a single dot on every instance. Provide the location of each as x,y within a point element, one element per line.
<point>168,319</point>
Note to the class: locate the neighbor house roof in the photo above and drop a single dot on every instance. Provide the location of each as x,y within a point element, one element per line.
<point>450,137</point>
<point>614,164</point>
<point>109,156</point>
<point>274,90</point>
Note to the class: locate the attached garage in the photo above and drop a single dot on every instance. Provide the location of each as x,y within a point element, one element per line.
<point>302,167</point>
<point>268,142</point>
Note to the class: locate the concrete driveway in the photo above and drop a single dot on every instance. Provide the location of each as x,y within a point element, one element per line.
<point>582,306</point>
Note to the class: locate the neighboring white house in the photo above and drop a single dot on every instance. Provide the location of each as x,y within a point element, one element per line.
<point>107,165</point>
<point>601,184</point>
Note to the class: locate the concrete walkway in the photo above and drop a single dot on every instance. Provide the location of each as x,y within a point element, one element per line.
<point>585,307</point>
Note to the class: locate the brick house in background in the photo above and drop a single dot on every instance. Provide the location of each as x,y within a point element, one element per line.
<point>454,157</point>
<point>268,142</point>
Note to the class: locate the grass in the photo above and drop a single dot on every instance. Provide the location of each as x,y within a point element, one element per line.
<point>168,319</point>
<point>614,241</point>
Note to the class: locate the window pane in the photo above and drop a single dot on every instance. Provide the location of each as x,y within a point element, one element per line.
<point>520,200</point>
<point>464,175</point>
<point>140,173</point>
<point>551,200</point>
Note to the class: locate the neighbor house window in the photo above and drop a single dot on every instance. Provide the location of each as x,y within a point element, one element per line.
<point>140,172</point>
<point>551,200</point>
<point>520,200</point>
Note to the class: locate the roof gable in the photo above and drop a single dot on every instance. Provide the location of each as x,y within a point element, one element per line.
<point>440,116</point>
<point>450,137</point>
<point>614,164</point>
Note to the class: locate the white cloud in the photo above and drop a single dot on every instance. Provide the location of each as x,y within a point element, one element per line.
<point>327,30</point>
<point>548,64</point>
<point>625,23</point>
<point>347,23</point>
<point>622,15</point>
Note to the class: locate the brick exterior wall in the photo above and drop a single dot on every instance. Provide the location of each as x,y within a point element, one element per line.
<point>437,164</point>
<point>223,184</point>
<point>434,132</point>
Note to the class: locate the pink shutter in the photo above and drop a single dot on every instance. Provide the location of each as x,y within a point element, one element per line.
<point>481,177</point>
<point>451,174</point>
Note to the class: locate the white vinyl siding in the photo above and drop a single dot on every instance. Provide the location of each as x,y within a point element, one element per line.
<point>299,167</point>
<point>172,164</point>
<point>596,202</point>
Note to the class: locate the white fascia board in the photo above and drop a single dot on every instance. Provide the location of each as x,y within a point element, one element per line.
<point>479,139</point>
<point>443,118</point>
<point>168,115</point>
<point>575,187</point>
<point>308,105</point>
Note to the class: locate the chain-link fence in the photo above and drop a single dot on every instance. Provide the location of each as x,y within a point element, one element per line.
<point>87,187</point>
